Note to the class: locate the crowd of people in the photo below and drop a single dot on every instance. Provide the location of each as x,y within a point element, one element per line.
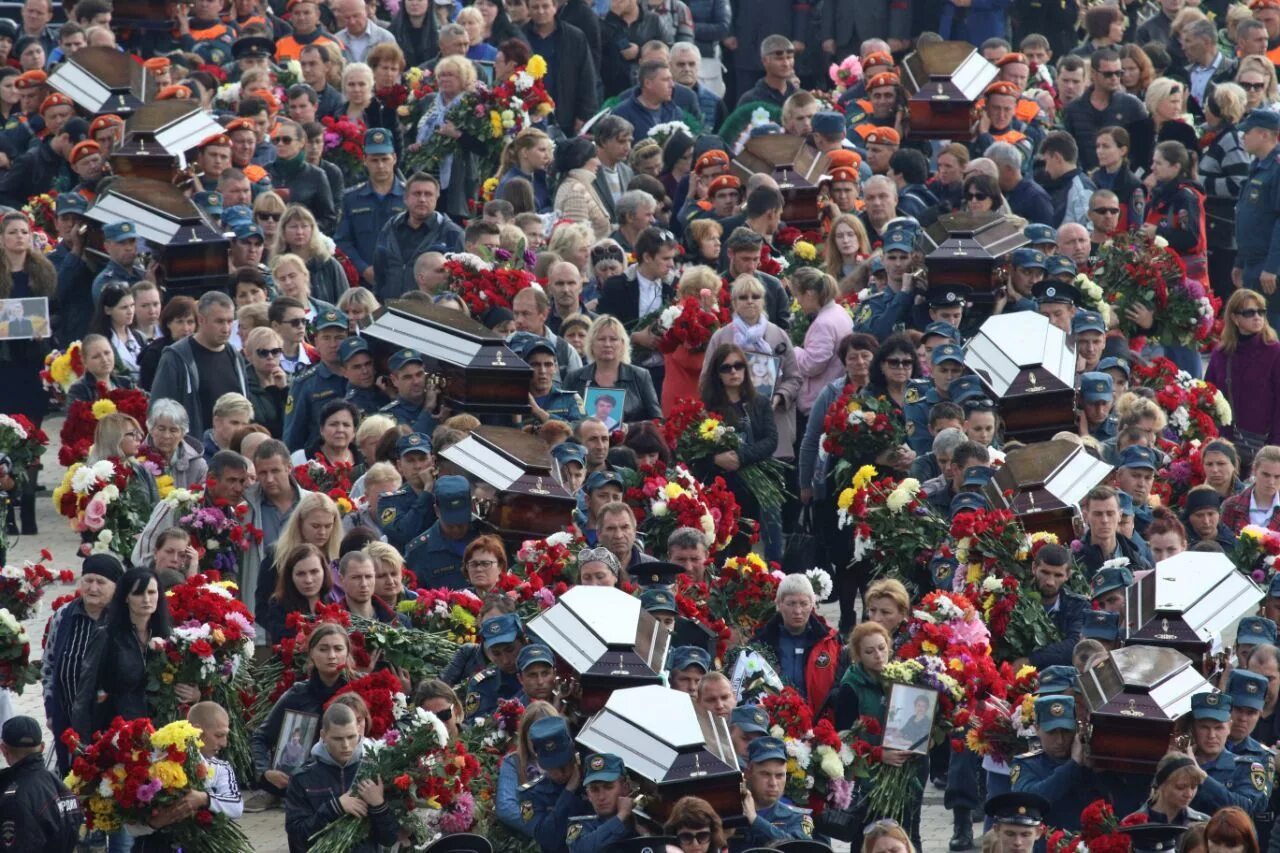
<point>351,174</point>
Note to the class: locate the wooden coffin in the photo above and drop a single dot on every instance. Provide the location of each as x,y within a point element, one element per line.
<point>157,138</point>
<point>970,249</point>
<point>530,502</point>
<point>605,640</point>
<point>1137,700</point>
<point>944,82</point>
<point>1043,484</point>
<point>1197,597</point>
<point>104,80</point>
<point>1029,370</point>
<point>672,750</point>
<point>473,368</point>
<point>192,255</point>
<point>795,165</point>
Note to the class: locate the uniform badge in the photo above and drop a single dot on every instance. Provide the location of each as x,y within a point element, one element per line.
<point>288,405</point>
<point>526,811</point>
<point>1258,776</point>
<point>911,428</point>
<point>1014,772</point>
<point>806,823</point>
<point>913,395</point>
<point>864,314</point>
<point>472,703</point>
<point>822,661</point>
<point>575,829</point>
<point>387,515</point>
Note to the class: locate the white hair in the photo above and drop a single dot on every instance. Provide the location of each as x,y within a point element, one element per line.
<point>794,585</point>
<point>1003,153</point>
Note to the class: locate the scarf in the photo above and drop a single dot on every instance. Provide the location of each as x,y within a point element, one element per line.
<point>750,338</point>
<point>430,124</point>
<point>292,166</point>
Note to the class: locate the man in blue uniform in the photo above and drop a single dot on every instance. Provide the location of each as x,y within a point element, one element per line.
<point>357,368</point>
<point>1119,370</point>
<point>946,304</point>
<point>410,380</point>
<point>1248,692</point>
<point>937,333</point>
<point>436,556</point>
<point>687,667</point>
<point>948,365</point>
<point>602,488</point>
<point>316,385</point>
<point>1253,631</point>
<point>1057,301</point>
<point>571,458</point>
<point>1107,589</point>
<point>769,819</point>
<point>1097,395</point>
<point>1056,771</point>
<point>1090,332</point>
<point>369,205</point>
<point>404,513</point>
<point>535,670</point>
<point>1258,211</point>
<point>501,639</point>
<point>1135,475</point>
<point>1042,237</point>
<point>605,784</point>
<point>548,400</point>
<point>1026,270</point>
<point>548,805</point>
<point>120,242</point>
<point>746,723</point>
<point>1018,819</point>
<point>1233,780</point>
<point>1104,627</point>
<point>881,312</point>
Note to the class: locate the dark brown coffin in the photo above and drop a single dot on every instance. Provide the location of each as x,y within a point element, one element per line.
<point>944,82</point>
<point>795,165</point>
<point>158,137</point>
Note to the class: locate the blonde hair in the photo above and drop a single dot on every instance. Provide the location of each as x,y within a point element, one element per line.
<point>1231,101</point>
<point>1158,90</point>
<point>291,535</point>
<point>1230,337</point>
<point>361,296</point>
<point>108,434</point>
<point>316,249</point>
<point>511,238</point>
<point>260,336</point>
<point>701,229</point>
<point>1264,67</point>
<point>886,830</point>
<point>525,140</point>
<point>355,68</point>
<point>892,589</point>
<point>252,318</point>
<point>697,279</point>
<point>1131,409</point>
<point>462,67</point>
<point>537,710</point>
<point>374,425</point>
<point>608,321</point>
<point>268,202</point>
<point>381,472</point>
<point>571,237</point>
<point>290,258</point>
<point>232,403</point>
<point>383,552</point>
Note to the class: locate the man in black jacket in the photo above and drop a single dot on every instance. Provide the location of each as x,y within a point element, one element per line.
<point>571,75</point>
<point>320,792</point>
<point>417,229</point>
<point>37,812</point>
<point>1106,104</point>
<point>43,167</point>
<point>303,183</point>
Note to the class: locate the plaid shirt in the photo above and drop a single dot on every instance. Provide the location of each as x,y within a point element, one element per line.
<point>1235,512</point>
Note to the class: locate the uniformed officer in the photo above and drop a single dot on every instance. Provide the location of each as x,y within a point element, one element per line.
<point>605,783</point>
<point>660,603</point>
<point>746,723</point>
<point>1026,270</point>
<point>769,819</point>
<point>1042,237</point>
<point>1018,820</point>
<point>547,805</point>
<point>535,670</point>
<point>948,365</point>
<point>367,206</point>
<point>965,389</point>
<point>1104,627</point>
<point>210,201</point>
<point>407,511</point>
<point>571,462</point>
<point>409,377</point>
<point>602,487</point>
<point>120,242</point>
<point>939,332</point>
<point>1056,770</point>
<point>1057,679</point>
<point>357,367</point>
<point>37,812</point>
<point>1155,837</point>
<point>1060,268</point>
<point>1057,301</point>
<point>1258,210</point>
<point>317,384</point>
<point>501,638</point>
<point>1248,691</point>
<point>1108,587</point>
<point>687,666</point>
<point>1233,780</point>
<point>968,502</point>
<point>659,574</point>
<point>1097,397</point>
<point>946,303</point>
<point>881,312</point>
<point>1253,631</point>
<point>548,400</point>
<point>436,555</point>
<point>1143,462</point>
<point>1119,370</point>
<point>1089,330</point>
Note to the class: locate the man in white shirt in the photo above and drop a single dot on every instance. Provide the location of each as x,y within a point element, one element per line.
<point>359,34</point>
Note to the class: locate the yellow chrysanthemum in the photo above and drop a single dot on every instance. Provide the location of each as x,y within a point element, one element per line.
<point>164,485</point>
<point>673,491</point>
<point>1025,671</point>
<point>490,186</point>
<point>805,250</point>
<point>102,408</point>
<point>846,499</point>
<point>537,67</point>
<point>344,506</point>
<point>177,733</point>
<point>495,124</point>
<point>863,477</point>
<point>929,648</point>
<point>170,774</point>
<point>60,370</point>
<point>72,781</point>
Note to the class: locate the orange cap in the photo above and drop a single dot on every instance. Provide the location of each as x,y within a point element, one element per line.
<point>1011,58</point>
<point>884,78</point>
<point>216,139</point>
<point>57,99</point>
<point>157,64</point>
<point>883,136</point>
<point>844,174</point>
<point>272,102</point>
<point>877,57</point>
<point>240,124</point>
<point>84,149</point>
<point>176,91</point>
<point>711,159</point>
<point>1264,4</point>
<point>105,121</point>
<point>1003,87</point>
<point>844,158</point>
<point>30,79</point>
<point>725,182</point>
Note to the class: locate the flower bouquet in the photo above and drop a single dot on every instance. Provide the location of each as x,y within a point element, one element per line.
<point>419,82</point>
<point>1000,723</point>
<point>383,694</point>
<point>942,623</point>
<point>61,370</point>
<point>857,429</point>
<point>106,505</point>
<point>82,419</point>
<point>1183,472</point>
<point>660,133</point>
<point>448,611</point>
<point>420,653</point>
<point>692,602</point>
<point>288,662</point>
<point>522,99</point>
<point>820,763</point>
<point>666,498</point>
<point>220,535</point>
<point>695,433</point>
<point>894,530</point>
<point>482,285</point>
<point>41,211</point>
<point>1137,270</point>
<point>1099,832</point>
<point>1255,552</point>
<point>17,670</point>
<point>23,442</point>
<point>743,594</point>
<point>1196,409</point>
<point>131,770</point>
<point>687,323</point>
<point>489,739</point>
<point>846,74</point>
<point>344,145</point>
<point>799,248</point>
<point>426,783</point>
<point>22,587</point>
<point>552,560</point>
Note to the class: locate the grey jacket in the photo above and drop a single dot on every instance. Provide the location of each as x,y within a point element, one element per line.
<point>399,246</point>
<point>177,379</point>
<point>187,466</point>
<point>251,565</point>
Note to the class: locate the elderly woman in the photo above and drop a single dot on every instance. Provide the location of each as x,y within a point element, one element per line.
<point>571,241</point>
<point>99,359</point>
<point>266,383</point>
<point>300,236</point>
<point>1245,366</point>
<point>816,358</point>
<point>636,212</point>
<point>459,172</point>
<point>599,567</point>
<point>485,562</point>
<point>293,279</point>
<point>577,198</point>
<point>1177,780</point>
<point>177,320</point>
<point>167,425</point>
<point>473,22</point>
<point>609,349</point>
<point>702,236</point>
<point>806,647</point>
<point>1224,169</point>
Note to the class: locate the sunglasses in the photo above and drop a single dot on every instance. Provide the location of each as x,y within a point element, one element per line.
<point>285,140</point>
<point>274,217</point>
<point>1250,312</point>
<point>1115,73</point>
<point>732,367</point>
<point>273,353</point>
<point>899,362</point>
<point>977,196</point>
<point>1252,87</point>
<point>1107,211</point>
<point>297,322</point>
<point>701,836</point>
<point>446,715</point>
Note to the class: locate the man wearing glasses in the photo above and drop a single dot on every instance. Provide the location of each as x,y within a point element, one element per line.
<point>1104,217</point>
<point>1106,104</point>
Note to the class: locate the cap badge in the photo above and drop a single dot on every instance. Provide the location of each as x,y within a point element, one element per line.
<point>597,763</point>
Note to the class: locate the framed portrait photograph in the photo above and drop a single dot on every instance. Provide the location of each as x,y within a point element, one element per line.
<point>297,736</point>
<point>607,404</point>
<point>24,319</point>
<point>910,719</point>
<point>763,370</point>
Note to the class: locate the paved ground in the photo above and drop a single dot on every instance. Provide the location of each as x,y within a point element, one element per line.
<point>266,830</point>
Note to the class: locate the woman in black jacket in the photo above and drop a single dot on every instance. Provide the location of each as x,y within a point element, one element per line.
<point>1113,173</point>
<point>115,665</point>
<point>416,31</point>
<point>609,348</point>
<point>328,656</point>
<point>177,320</point>
<point>99,359</point>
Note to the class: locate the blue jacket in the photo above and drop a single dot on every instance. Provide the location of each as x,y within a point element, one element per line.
<point>712,20</point>
<point>437,560</point>
<point>364,212</point>
<point>1069,617</point>
<point>545,811</point>
<point>1030,201</point>
<point>642,118</point>
<point>1234,780</point>
<point>403,513</point>
<point>975,24</point>
<point>595,834</point>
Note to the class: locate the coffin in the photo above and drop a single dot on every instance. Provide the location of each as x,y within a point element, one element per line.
<point>192,255</point>
<point>104,80</point>
<point>1137,698</point>
<point>944,82</point>
<point>473,368</point>
<point>531,503</point>
<point>672,750</point>
<point>1025,363</point>
<point>1043,484</point>
<point>1197,597</point>
<point>971,249</point>
<point>795,165</point>
<point>157,138</point>
<point>604,639</point>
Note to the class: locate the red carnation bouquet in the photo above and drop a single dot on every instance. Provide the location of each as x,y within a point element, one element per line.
<point>24,443</point>
<point>344,145</point>
<point>1196,409</point>
<point>894,529</point>
<point>383,693</point>
<point>744,593</point>
<point>449,611</point>
<point>689,323</point>
<point>695,433</point>
<point>857,429</point>
<point>489,739</point>
<point>1182,473</point>
<point>82,419</point>
<point>331,478</point>
<point>693,603</point>
<point>1001,722</point>
<point>17,670</point>
<point>481,284</point>
<point>22,587</point>
<point>664,498</point>
<point>1099,832</point>
<point>1134,269</point>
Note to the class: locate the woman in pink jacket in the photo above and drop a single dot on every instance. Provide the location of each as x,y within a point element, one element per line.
<point>817,359</point>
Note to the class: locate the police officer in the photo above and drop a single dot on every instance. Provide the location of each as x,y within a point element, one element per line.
<point>746,723</point>
<point>37,812</point>
<point>501,639</point>
<point>1119,369</point>
<point>547,805</point>
<point>368,206</point>
<point>120,242</point>
<point>1026,270</point>
<point>1104,627</point>
<point>946,304</point>
<point>597,832</point>
<point>1018,820</point>
<point>1233,780</point>
<point>1057,301</point>
<point>948,365</point>
<point>885,309</point>
<point>412,507</point>
<point>1258,210</point>
<point>409,377</point>
<point>769,819</point>
<point>1097,396</point>
<point>1056,770</point>
<point>1089,330</point>
<point>357,366</point>
<point>548,400</point>
<point>317,384</point>
<point>660,603</point>
<point>1042,237</point>
<point>571,461</point>
<point>1248,692</point>
<point>687,666</point>
<point>535,670</point>
<point>436,555</point>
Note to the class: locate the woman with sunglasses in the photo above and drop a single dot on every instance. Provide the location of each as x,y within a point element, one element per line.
<point>266,383</point>
<point>981,194</point>
<point>695,826</point>
<point>1246,368</point>
<point>1257,76</point>
<point>268,210</point>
